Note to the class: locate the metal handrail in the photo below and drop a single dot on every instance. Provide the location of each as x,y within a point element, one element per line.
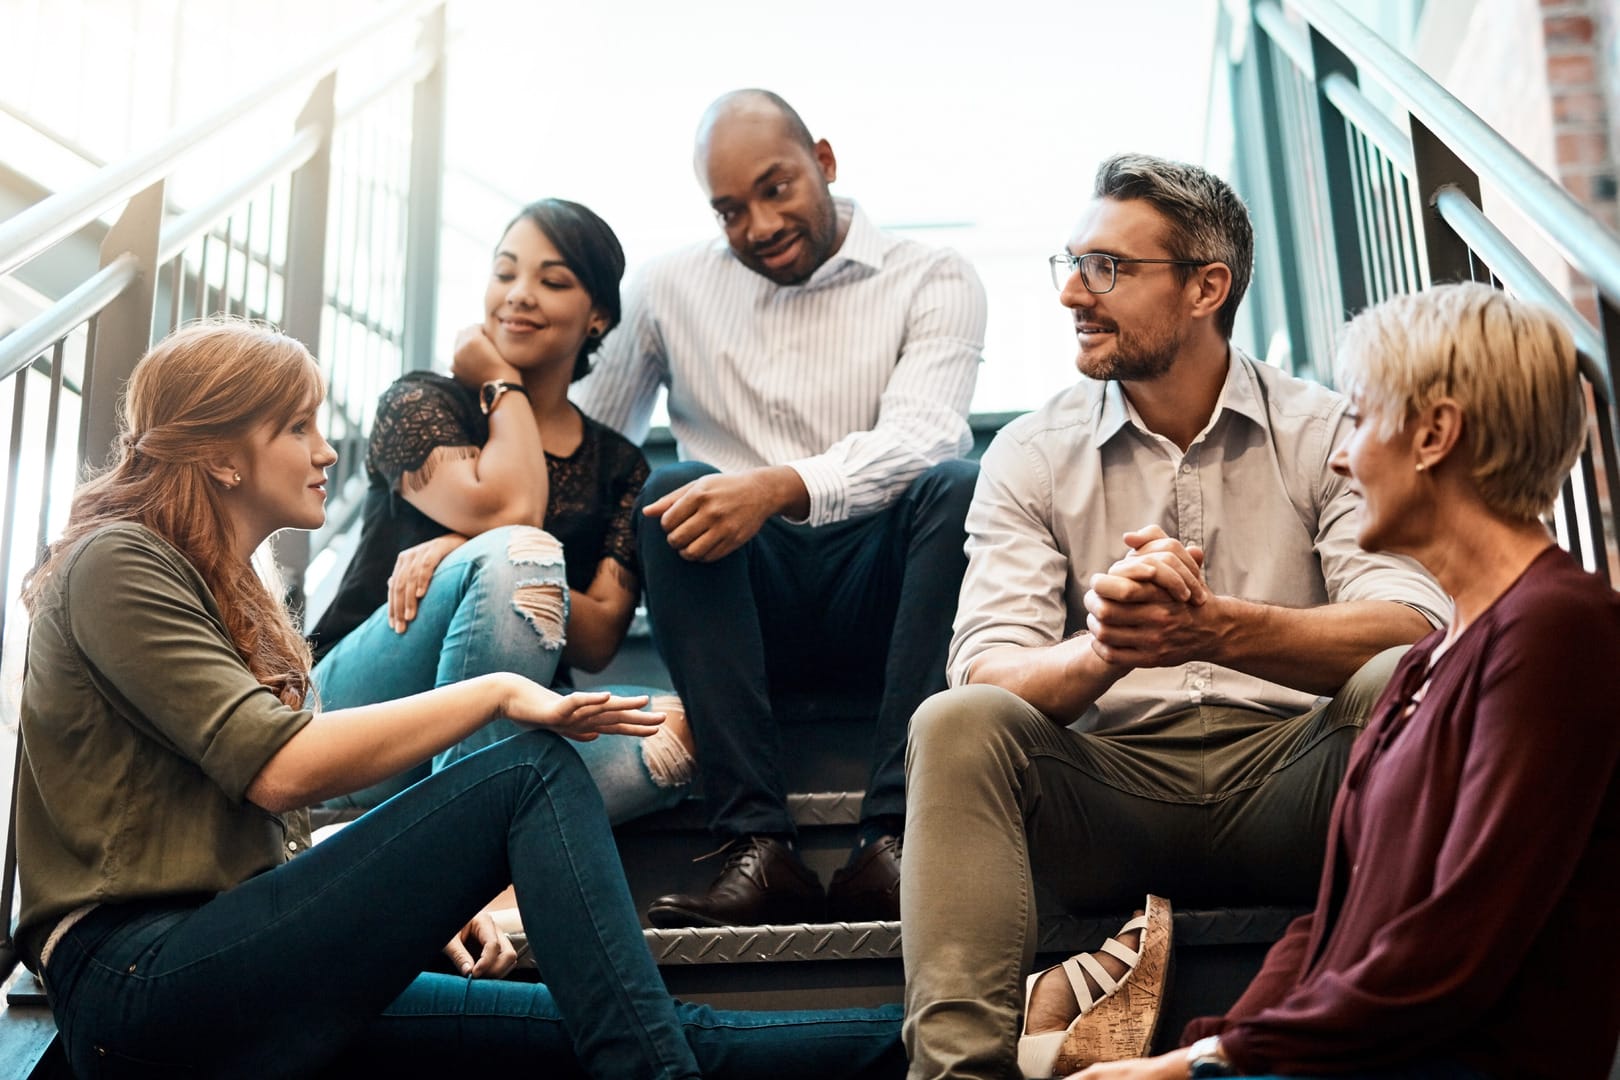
<point>1565,222</point>
<point>1509,263</point>
<point>416,69</point>
<point>1355,107</point>
<point>179,233</point>
<point>1294,42</point>
<point>49,222</point>
<point>19,348</point>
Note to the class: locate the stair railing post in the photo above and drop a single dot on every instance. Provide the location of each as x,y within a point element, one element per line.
<point>305,304</point>
<point>424,202</point>
<point>1338,172</point>
<point>1276,213</point>
<point>120,335</point>
<point>1447,256</point>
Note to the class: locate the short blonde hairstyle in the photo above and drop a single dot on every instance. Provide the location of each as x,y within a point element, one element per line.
<point>1510,366</point>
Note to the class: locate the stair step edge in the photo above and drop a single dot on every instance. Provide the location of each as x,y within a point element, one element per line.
<point>801,942</point>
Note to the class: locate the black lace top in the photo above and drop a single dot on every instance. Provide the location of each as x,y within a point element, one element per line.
<point>592,494</point>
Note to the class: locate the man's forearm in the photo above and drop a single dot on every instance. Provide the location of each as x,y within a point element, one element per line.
<point>1062,680</point>
<point>1312,649</point>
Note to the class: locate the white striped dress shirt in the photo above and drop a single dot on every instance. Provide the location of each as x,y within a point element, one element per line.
<point>859,378</point>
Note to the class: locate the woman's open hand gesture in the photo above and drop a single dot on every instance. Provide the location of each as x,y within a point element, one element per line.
<point>579,715</point>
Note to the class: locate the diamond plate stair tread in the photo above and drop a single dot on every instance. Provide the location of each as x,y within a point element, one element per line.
<point>881,940</point>
<point>809,809</point>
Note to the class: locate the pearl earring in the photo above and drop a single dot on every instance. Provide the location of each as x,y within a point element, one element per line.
<point>1421,466</point>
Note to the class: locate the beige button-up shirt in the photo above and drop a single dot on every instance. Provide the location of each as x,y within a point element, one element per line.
<point>1060,486</point>
<point>141,729</point>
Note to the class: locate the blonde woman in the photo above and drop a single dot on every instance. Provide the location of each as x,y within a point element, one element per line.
<point>1463,927</point>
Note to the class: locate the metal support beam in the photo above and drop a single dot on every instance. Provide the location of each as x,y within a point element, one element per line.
<point>423,209</point>
<point>305,303</point>
<point>1281,230</point>
<point>122,333</point>
<point>1438,167</point>
<point>1338,171</point>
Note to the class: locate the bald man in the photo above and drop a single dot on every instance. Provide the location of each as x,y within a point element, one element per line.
<point>819,372</point>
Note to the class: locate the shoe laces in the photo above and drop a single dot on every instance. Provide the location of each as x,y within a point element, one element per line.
<point>737,852</point>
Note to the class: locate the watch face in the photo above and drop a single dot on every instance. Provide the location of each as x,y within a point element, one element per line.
<point>488,394</point>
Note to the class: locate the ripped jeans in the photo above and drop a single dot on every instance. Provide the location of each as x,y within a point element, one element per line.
<point>497,603</point>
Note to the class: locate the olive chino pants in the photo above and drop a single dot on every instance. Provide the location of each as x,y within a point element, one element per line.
<point>1210,805</point>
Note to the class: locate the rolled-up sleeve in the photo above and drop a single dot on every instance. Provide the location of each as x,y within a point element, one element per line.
<point>152,645</point>
<point>1013,592</point>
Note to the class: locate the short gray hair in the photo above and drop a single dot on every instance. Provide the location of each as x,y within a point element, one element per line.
<point>1510,365</point>
<point>1208,222</point>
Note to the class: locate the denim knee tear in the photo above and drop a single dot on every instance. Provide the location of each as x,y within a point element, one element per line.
<point>668,762</point>
<point>544,606</point>
<point>533,547</point>
<point>542,601</point>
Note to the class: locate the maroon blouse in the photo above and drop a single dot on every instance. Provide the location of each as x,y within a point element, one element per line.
<point>1470,902</point>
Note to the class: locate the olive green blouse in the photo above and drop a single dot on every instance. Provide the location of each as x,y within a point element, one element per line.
<point>141,730</point>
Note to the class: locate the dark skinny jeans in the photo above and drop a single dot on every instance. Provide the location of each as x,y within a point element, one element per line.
<point>321,958</point>
<point>864,604</point>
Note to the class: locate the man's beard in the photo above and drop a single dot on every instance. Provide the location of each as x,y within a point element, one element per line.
<point>1135,357</point>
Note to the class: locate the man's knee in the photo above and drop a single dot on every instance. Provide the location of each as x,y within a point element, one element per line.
<point>966,727</point>
<point>946,488</point>
<point>1359,692</point>
<point>667,478</point>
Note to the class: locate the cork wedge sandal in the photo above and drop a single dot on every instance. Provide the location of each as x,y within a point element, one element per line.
<point>1122,1021</point>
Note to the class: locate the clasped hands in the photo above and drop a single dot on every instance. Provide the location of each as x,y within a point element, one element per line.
<point>1153,608</point>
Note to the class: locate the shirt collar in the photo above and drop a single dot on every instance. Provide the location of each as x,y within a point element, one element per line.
<point>863,243</point>
<point>1239,394</point>
<point>863,249</point>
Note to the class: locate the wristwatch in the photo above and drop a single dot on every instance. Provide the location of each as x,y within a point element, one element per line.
<point>491,392</point>
<point>1204,1058</point>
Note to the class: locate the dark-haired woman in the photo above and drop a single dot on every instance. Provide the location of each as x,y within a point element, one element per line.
<point>497,531</point>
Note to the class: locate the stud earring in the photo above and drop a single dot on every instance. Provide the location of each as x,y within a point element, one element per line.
<point>1421,466</point>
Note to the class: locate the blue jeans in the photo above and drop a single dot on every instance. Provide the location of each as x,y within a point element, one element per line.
<point>289,971</point>
<point>468,624</point>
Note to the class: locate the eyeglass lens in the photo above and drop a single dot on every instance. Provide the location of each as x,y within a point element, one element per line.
<point>1096,271</point>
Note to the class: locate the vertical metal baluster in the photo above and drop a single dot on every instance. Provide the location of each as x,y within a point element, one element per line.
<point>270,257</point>
<point>177,285</point>
<point>223,301</point>
<point>1408,235</point>
<point>53,413</point>
<point>247,262</point>
<point>202,280</point>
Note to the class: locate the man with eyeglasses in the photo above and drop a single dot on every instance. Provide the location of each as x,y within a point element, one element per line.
<point>819,372</point>
<point>1166,640</point>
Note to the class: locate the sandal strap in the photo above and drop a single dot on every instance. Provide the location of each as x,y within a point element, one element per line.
<point>1104,980</point>
<point>1073,968</point>
<point>1121,952</point>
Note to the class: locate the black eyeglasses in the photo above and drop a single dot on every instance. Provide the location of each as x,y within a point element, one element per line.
<point>1097,271</point>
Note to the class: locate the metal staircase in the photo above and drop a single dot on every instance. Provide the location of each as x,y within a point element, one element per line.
<point>1355,205</point>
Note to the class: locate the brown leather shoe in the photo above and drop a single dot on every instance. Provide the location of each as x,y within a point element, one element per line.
<point>763,882</point>
<point>868,889</point>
